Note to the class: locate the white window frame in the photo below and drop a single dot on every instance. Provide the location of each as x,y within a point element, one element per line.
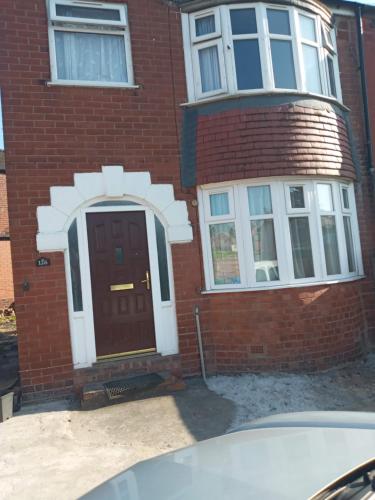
<point>91,26</point>
<point>281,213</point>
<point>217,42</point>
<point>224,39</point>
<point>205,13</point>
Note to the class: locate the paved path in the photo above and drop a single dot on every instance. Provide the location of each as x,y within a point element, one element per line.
<point>53,452</point>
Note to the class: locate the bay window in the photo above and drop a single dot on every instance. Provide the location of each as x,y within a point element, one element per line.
<point>89,43</point>
<point>250,48</point>
<point>274,233</point>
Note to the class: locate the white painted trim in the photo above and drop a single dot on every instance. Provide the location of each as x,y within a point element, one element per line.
<point>74,202</point>
<point>224,42</point>
<point>119,28</point>
<point>281,215</point>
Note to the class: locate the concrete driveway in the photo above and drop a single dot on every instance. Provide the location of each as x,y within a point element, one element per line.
<point>53,451</point>
<point>57,452</point>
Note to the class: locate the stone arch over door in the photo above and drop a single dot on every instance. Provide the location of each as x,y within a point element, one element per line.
<point>113,183</point>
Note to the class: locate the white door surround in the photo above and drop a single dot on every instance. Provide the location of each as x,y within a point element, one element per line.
<point>72,203</point>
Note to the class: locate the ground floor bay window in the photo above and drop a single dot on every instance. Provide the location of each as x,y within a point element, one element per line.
<point>292,231</point>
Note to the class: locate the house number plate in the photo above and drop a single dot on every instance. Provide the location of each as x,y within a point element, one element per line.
<point>42,262</point>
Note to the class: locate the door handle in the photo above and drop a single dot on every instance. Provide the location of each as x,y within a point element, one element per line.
<point>147,280</point>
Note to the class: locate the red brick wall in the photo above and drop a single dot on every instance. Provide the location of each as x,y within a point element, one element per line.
<point>53,132</point>
<point>281,140</point>
<point>6,274</point>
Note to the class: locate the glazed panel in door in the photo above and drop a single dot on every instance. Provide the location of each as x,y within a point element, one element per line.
<point>121,282</point>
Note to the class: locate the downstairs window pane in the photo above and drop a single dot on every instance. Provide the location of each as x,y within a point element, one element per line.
<point>224,253</point>
<point>88,12</point>
<point>301,247</point>
<point>312,72</point>
<point>349,244</point>
<point>259,198</point>
<point>248,68</point>
<point>331,247</point>
<point>283,64</point>
<point>90,57</point>
<point>264,249</point>
<point>209,69</point>
<point>219,204</point>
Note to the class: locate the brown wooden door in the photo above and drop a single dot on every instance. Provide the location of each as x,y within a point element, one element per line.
<point>124,320</point>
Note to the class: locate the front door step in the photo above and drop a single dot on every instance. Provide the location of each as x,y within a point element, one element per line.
<point>99,394</point>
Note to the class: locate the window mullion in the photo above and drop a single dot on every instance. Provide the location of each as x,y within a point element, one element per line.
<point>340,229</point>
<point>317,234</point>
<point>247,244</point>
<point>321,55</point>
<point>297,51</point>
<point>280,225</point>
<point>265,48</point>
<point>228,49</point>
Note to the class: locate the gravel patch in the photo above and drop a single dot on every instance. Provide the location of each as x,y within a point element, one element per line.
<point>350,388</point>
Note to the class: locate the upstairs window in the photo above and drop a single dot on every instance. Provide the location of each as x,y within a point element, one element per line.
<point>89,43</point>
<point>275,233</point>
<point>250,48</point>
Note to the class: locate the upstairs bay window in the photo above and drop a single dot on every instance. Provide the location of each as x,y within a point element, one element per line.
<point>89,43</point>
<point>268,234</point>
<point>252,48</point>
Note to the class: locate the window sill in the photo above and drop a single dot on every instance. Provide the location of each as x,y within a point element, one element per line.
<point>280,287</point>
<point>100,85</point>
<point>264,93</point>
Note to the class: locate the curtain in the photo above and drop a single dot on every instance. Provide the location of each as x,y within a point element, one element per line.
<point>209,68</point>
<point>301,247</point>
<point>90,57</point>
<point>264,249</point>
<point>259,200</point>
<point>219,204</point>
<point>331,248</point>
<point>205,25</point>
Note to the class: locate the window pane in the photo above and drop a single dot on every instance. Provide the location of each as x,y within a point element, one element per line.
<point>283,64</point>
<point>205,25</point>
<point>88,12</point>
<point>119,255</point>
<point>297,198</point>
<point>210,69</point>
<point>325,197</point>
<point>301,247</point>
<point>90,57</point>
<point>264,249</point>
<point>75,270</point>
<point>312,72</point>
<point>259,200</point>
<point>219,204</point>
<point>345,198</point>
<point>224,253</point>
<point>278,22</point>
<point>331,248</point>
<point>349,244</point>
<point>248,69</point>
<point>243,21</point>
<point>331,75</point>
<point>162,260</point>
<point>307,28</point>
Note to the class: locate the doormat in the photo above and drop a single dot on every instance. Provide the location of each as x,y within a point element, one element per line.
<point>120,388</point>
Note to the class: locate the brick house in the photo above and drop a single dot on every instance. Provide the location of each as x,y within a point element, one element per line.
<point>6,274</point>
<point>166,155</point>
